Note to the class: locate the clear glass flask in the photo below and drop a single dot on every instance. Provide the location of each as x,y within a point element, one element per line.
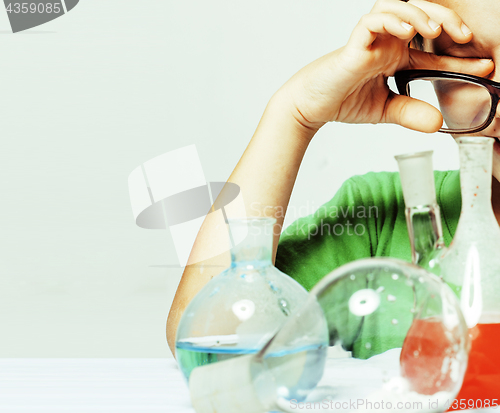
<point>240,309</point>
<point>472,268</point>
<point>403,327</point>
<point>423,216</point>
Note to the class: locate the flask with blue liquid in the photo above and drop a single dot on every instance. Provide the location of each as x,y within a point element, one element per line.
<point>239,310</point>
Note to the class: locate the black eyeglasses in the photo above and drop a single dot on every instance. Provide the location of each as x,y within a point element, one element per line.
<point>468,103</point>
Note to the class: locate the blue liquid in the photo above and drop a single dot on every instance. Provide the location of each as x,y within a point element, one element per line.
<point>189,356</point>
<point>296,371</point>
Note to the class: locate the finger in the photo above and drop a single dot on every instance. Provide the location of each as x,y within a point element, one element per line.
<point>412,114</point>
<point>412,15</point>
<point>423,60</point>
<point>373,24</point>
<point>451,22</point>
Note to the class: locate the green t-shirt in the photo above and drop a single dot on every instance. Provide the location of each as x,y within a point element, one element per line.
<point>366,218</point>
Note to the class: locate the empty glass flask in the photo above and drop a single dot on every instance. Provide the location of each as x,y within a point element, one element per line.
<point>404,330</point>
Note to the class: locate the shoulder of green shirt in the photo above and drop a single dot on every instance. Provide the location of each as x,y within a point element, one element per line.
<point>365,218</point>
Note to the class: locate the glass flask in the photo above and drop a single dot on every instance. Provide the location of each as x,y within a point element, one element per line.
<point>423,217</point>
<point>241,308</point>
<point>472,268</point>
<point>403,326</point>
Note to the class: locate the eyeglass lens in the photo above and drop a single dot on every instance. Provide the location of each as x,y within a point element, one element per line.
<point>464,105</point>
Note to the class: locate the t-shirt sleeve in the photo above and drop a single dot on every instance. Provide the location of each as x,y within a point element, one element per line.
<point>340,231</point>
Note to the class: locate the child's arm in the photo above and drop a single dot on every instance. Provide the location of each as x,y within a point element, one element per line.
<point>347,85</point>
<point>265,174</point>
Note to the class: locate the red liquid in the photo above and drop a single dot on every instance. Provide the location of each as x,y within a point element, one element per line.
<point>422,356</point>
<point>482,378</point>
<point>425,349</point>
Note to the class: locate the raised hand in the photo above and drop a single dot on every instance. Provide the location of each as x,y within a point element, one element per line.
<point>350,84</point>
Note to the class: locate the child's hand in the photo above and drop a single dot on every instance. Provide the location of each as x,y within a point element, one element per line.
<point>349,85</point>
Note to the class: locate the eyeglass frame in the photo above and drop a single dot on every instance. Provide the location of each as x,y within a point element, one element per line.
<point>404,77</point>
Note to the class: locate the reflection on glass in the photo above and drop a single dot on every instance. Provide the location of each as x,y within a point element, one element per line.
<point>464,105</point>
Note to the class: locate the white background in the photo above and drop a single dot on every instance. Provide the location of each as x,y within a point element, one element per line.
<point>90,96</point>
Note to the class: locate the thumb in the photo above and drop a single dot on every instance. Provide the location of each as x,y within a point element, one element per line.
<point>412,114</point>
<point>424,60</point>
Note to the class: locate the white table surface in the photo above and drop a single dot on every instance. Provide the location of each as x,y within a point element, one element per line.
<point>92,385</point>
<point>107,385</point>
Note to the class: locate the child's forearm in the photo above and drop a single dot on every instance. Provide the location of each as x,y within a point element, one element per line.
<point>265,174</point>
<point>267,171</point>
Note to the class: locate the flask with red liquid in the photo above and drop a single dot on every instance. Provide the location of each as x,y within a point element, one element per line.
<point>471,267</point>
<point>425,350</point>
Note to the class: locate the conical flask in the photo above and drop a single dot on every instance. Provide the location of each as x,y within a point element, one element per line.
<point>423,217</point>
<point>241,308</point>
<point>370,307</point>
<point>472,268</point>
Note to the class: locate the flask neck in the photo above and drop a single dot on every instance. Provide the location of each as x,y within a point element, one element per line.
<point>475,178</point>
<point>252,241</point>
<point>472,263</point>
<point>425,231</point>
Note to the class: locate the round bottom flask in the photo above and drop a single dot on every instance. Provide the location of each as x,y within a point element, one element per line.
<point>402,325</point>
<point>239,310</point>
